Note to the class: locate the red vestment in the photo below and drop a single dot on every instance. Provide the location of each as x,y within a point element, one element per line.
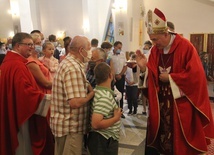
<point>19,99</point>
<point>192,116</point>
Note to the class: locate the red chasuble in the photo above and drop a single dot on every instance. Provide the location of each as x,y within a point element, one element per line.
<point>192,116</point>
<point>19,99</point>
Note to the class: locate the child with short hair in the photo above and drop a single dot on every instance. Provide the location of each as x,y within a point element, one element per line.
<point>48,60</point>
<point>105,116</point>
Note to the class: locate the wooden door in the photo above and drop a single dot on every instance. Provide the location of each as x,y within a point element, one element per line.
<point>198,41</point>
<point>210,51</point>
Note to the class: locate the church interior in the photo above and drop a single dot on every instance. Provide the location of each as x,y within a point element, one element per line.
<point>116,20</point>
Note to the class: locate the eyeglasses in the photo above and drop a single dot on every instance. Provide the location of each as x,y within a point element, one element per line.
<point>85,50</point>
<point>28,44</point>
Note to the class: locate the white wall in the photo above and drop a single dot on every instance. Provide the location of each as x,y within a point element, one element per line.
<point>134,29</point>
<point>131,20</point>
<point>98,16</point>
<point>51,16</point>
<point>6,25</point>
<point>189,16</point>
<point>69,16</point>
<point>121,21</point>
<point>25,16</point>
<point>103,12</point>
<point>35,15</point>
<point>61,15</point>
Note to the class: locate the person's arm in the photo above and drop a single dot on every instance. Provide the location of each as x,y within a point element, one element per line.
<point>112,67</point>
<point>117,94</point>
<point>119,76</point>
<point>98,122</point>
<point>39,76</point>
<point>123,70</point>
<point>141,60</point>
<point>80,101</point>
<point>127,81</point>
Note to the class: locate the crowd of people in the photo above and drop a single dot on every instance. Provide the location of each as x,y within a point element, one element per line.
<point>58,101</point>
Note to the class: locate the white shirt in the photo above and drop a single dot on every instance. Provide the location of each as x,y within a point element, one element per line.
<point>62,53</point>
<point>119,61</point>
<point>2,51</point>
<point>130,77</point>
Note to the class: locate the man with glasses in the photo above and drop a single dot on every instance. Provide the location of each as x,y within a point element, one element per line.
<point>71,93</point>
<point>31,45</point>
<point>21,101</point>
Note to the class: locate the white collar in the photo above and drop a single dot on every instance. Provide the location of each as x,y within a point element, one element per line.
<point>167,48</point>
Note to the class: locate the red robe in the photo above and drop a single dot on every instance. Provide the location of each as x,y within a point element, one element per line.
<point>192,117</point>
<point>18,89</point>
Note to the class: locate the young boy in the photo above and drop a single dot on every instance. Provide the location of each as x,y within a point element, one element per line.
<point>105,116</point>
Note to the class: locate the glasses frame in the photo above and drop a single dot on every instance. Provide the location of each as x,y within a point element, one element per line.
<point>28,44</point>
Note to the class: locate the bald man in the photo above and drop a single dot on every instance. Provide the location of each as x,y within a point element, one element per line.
<point>71,92</point>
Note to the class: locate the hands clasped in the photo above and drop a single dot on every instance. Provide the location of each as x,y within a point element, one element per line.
<point>164,77</point>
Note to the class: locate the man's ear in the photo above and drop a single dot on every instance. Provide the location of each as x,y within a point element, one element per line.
<point>111,76</point>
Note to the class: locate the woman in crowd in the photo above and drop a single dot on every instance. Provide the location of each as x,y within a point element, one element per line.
<point>43,79</point>
<point>39,71</point>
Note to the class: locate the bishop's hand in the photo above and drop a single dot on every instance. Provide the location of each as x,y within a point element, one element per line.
<point>141,60</point>
<point>164,77</point>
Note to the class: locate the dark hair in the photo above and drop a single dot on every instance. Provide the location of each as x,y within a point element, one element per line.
<point>148,43</point>
<point>35,31</point>
<point>94,42</point>
<point>67,38</point>
<point>106,45</point>
<point>101,72</point>
<point>171,25</point>
<point>131,53</point>
<point>66,41</point>
<point>52,38</point>
<point>117,42</point>
<point>19,37</point>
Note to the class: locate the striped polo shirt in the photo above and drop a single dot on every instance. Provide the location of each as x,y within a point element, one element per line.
<point>104,104</point>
